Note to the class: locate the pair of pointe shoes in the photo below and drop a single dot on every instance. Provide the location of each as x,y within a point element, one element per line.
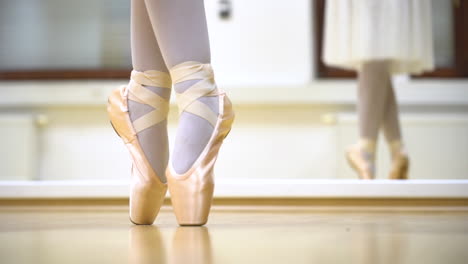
<point>192,191</point>
<point>364,166</point>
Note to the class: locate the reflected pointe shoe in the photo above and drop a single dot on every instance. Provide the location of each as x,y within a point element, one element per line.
<point>399,167</point>
<point>147,192</point>
<point>146,245</point>
<point>192,191</point>
<point>361,161</point>
<point>191,245</point>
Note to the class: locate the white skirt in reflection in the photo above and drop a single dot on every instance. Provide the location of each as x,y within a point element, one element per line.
<point>362,30</point>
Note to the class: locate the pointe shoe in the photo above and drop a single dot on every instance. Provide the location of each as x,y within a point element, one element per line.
<point>400,166</point>
<point>192,191</point>
<point>147,192</point>
<point>361,162</point>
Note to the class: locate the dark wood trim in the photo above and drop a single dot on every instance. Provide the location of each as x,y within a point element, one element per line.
<point>460,25</point>
<point>322,70</point>
<point>337,73</point>
<point>65,74</point>
<point>319,21</point>
<point>440,73</point>
<point>461,37</point>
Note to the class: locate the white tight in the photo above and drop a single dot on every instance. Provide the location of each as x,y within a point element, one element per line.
<point>165,33</point>
<point>377,107</point>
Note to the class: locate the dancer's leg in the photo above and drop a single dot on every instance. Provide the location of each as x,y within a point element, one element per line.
<point>391,122</point>
<point>372,92</point>
<point>146,56</point>
<point>372,97</point>
<point>391,128</point>
<point>181,30</point>
<point>182,34</point>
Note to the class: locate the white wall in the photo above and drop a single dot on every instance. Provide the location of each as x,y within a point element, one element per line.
<point>265,42</point>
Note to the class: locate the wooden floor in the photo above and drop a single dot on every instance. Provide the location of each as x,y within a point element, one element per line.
<point>262,234</point>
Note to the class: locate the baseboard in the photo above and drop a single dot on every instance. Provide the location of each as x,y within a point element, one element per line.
<point>251,189</point>
<point>250,204</point>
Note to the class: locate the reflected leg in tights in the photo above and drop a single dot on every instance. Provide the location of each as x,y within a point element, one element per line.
<point>373,78</point>
<point>377,108</point>
<point>146,56</point>
<point>181,31</point>
<point>391,122</point>
<point>392,132</point>
<point>372,101</point>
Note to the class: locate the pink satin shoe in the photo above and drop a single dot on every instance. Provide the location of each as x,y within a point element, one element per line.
<point>400,167</point>
<point>192,191</point>
<point>147,191</point>
<point>361,162</point>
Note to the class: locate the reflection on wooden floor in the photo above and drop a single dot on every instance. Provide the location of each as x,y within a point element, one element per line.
<point>235,235</point>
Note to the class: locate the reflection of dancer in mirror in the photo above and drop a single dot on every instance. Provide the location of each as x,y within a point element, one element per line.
<point>170,47</point>
<point>378,39</point>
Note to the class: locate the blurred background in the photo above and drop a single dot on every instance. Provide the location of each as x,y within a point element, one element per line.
<point>59,60</point>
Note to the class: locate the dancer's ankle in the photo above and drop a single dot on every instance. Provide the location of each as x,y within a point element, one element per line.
<point>396,147</point>
<point>367,145</point>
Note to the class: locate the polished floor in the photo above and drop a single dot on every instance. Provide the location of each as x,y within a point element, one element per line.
<point>235,235</point>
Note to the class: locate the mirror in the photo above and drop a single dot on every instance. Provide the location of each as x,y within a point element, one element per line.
<point>291,123</point>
